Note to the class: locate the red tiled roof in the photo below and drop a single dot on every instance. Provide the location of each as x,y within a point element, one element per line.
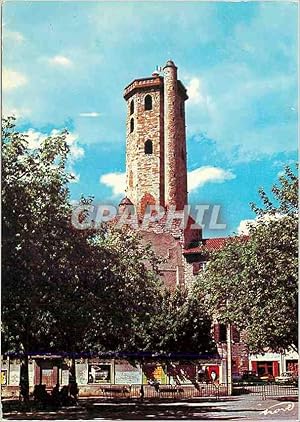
<point>212,244</point>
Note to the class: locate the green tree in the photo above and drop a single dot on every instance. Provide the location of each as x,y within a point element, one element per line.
<point>252,281</point>
<point>63,288</point>
<point>180,324</point>
<point>71,290</point>
<point>125,291</point>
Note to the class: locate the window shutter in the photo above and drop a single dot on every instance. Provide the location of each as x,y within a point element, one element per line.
<point>275,369</point>
<point>254,366</point>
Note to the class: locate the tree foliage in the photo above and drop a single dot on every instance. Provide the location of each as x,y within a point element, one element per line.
<point>252,281</point>
<point>184,322</point>
<point>285,196</point>
<point>71,290</point>
<point>64,289</point>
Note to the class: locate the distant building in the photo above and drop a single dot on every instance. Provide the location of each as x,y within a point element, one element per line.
<point>274,363</point>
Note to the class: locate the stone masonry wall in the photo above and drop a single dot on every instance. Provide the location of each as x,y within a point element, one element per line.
<point>181,151</point>
<point>175,148</point>
<point>145,172</point>
<point>168,248</point>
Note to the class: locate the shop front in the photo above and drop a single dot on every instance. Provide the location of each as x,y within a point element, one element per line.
<point>274,364</point>
<point>96,376</point>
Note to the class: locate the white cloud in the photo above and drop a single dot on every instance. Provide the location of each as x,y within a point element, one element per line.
<point>90,114</point>
<point>19,113</point>
<point>13,35</point>
<point>61,61</point>
<point>12,79</point>
<point>76,151</point>
<point>115,181</point>
<point>233,118</point>
<point>195,91</point>
<point>34,138</point>
<point>243,227</point>
<point>202,175</point>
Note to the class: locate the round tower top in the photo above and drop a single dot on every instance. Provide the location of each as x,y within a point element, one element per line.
<point>170,63</point>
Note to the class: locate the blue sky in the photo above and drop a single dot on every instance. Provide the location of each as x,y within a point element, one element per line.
<point>65,64</point>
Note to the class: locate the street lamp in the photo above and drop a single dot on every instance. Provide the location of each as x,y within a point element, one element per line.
<point>229,359</point>
<point>229,354</point>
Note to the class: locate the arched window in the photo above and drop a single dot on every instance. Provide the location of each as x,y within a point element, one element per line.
<point>131,125</point>
<point>132,107</point>
<point>148,147</point>
<point>148,102</point>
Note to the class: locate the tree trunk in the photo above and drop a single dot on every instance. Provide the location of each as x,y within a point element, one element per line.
<point>73,371</point>
<point>24,379</point>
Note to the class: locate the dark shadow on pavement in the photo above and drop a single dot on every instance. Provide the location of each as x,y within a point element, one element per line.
<point>293,399</point>
<point>134,410</point>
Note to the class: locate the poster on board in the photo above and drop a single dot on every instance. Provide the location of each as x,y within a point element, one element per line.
<point>125,373</point>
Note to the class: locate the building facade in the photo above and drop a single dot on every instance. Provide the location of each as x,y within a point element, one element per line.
<point>101,375</point>
<point>274,363</point>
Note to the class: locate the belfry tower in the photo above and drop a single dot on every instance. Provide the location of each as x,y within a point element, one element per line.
<point>156,167</point>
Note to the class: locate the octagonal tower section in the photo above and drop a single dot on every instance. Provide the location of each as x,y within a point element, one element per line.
<point>145,142</point>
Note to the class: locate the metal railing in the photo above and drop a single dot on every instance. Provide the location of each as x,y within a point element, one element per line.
<point>264,390</point>
<point>162,391</point>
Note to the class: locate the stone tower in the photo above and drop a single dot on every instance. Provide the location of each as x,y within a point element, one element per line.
<point>174,139</point>
<point>155,140</point>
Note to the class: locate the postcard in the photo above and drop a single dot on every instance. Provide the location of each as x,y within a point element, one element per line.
<point>149,210</point>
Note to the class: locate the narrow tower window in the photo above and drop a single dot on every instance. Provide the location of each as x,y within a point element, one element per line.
<point>131,125</point>
<point>148,147</point>
<point>148,102</point>
<point>132,107</point>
